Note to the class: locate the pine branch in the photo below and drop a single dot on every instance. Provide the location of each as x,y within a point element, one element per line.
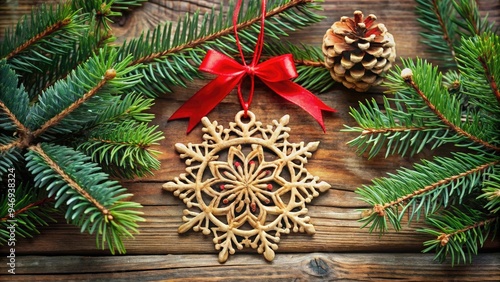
<point>459,232</point>
<point>48,31</point>
<point>30,210</point>
<point>428,187</point>
<point>92,86</point>
<point>132,106</point>
<point>410,119</point>
<point>124,148</point>
<point>441,35</point>
<point>121,5</point>
<point>14,104</point>
<point>9,152</point>
<point>397,129</point>
<point>470,22</point>
<point>491,191</point>
<point>85,46</point>
<point>478,64</point>
<point>37,38</point>
<point>94,203</point>
<point>442,111</point>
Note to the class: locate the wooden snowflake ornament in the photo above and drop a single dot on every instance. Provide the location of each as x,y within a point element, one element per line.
<point>246,184</point>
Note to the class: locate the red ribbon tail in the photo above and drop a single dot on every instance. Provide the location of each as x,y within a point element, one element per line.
<point>300,96</point>
<point>201,103</point>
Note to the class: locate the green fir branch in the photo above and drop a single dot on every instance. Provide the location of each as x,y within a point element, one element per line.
<point>394,129</point>
<point>30,210</point>
<point>10,153</point>
<point>428,187</point>
<point>132,106</point>
<point>480,73</point>
<point>491,191</point>
<point>88,43</point>
<point>427,84</point>
<point>410,120</point>
<point>440,30</point>
<point>459,233</point>
<point>124,149</point>
<point>93,202</point>
<point>124,5</point>
<point>49,30</point>
<point>14,102</point>
<point>91,89</point>
<point>471,23</point>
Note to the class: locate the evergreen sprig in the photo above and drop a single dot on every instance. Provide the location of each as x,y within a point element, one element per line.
<point>459,233</point>
<point>93,202</point>
<point>121,147</point>
<point>48,31</point>
<point>440,31</point>
<point>77,84</point>
<point>459,195</point>
<point>425,189</point>
<point>32,208</point>
<point>445,23</point>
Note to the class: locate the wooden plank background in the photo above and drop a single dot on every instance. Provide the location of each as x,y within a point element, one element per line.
<point>339,250</point>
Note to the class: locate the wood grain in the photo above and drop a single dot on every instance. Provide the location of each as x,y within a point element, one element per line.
<point>340,249</point>
<point>286,267</point>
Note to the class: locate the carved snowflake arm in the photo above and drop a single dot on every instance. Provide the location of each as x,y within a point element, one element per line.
<point>292,217</point>
<point>301,153</point>
<point>182,187</point>
<point>307,188</point>
<point>214,133</point>
<point>277,132</point>
<point>192,153</point>
<point>198,221</point>
<point>225,242</point>
<point>297,222</point>
<point>266,246</point>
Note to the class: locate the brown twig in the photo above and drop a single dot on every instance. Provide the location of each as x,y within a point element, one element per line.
<point>20,127</point>
<point>393,129</point>
<point>15,143</point>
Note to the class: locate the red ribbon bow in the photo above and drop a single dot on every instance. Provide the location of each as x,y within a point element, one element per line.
<point>275,73</point>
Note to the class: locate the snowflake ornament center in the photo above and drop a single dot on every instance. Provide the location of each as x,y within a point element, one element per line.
<point>246,184</point>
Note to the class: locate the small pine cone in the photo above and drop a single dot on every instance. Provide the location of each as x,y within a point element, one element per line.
<point>358,52</point>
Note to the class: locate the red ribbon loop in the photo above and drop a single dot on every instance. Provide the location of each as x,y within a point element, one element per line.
<point>275,73</point>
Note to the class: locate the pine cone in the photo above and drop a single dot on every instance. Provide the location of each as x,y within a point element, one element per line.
<point>358,52</point>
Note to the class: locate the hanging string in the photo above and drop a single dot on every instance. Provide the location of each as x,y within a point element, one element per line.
<point>250,69</point>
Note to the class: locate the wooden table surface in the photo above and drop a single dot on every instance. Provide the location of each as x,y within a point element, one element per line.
<point>340,249</point>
